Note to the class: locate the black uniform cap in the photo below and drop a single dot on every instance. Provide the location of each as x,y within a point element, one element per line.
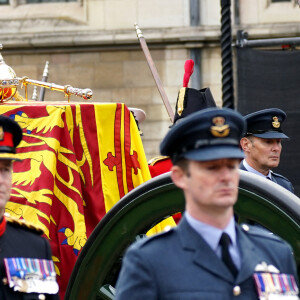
<point>266,123</point>
<point>10,137</point>
<point>209,134</point>
<point>191,100</point>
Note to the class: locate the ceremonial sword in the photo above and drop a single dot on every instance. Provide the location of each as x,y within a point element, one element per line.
<point>154,72</point>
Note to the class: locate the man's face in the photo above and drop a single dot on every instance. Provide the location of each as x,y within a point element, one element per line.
<point>5,183</point>
<point>264,154</point>
<point>210,186</point>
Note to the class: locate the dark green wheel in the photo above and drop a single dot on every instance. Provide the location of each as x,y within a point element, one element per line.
<point>259,201</point>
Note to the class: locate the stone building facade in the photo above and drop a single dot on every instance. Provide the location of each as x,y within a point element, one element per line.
<point>93,43</point>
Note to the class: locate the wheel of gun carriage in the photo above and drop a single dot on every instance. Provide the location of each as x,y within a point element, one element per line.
<point>96,270</point>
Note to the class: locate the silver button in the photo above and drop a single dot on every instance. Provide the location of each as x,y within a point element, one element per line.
<point>236,290</point>
<point>245,227</point>
<point>167,228</point>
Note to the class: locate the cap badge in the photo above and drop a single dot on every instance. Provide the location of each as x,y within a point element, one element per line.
<point>275,123</point>
<point>220,129</point>
<point>1,133</point>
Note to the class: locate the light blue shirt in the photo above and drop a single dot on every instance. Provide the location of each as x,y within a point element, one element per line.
<point>250,169</point>
<point>212,237</point>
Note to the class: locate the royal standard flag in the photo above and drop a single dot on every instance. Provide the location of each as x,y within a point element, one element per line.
<point>78,161</point>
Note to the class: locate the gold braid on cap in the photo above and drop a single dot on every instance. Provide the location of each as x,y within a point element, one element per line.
<point>180,101</point>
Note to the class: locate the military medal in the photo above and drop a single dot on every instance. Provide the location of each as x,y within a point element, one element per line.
<point>273,285</point>
<point>30,275</point>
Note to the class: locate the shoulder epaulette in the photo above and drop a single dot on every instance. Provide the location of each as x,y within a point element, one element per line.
<point>259,231</point>
<point>156,159</point>
<point>23,223</point>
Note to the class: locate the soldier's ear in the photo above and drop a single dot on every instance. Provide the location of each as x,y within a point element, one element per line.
<point>245,144</point>
<point>178,176</point>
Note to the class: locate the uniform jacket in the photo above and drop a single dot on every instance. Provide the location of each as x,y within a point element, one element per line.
<point>179,265</point>
<point>159,165</point>
<point>19,241</point>
<point>277,178</point>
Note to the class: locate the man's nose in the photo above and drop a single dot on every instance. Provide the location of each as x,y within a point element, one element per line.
<point>276,147</point>
<point>226,173</point>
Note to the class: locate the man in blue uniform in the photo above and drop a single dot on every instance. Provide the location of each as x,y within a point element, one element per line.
<point>262,145</point>
<point>207,256</point>
<point>26,268</point>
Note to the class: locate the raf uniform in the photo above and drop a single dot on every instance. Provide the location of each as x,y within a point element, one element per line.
<point>18,238</point>
<point>181,263</point>
<point>267,124</point>
<point>275,177</point>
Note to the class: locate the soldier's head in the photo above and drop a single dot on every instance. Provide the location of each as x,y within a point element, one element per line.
<point>262,139</point>
<point>205,151</point>
<point>10,137</point>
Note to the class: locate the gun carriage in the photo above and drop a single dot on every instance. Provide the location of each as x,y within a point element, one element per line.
<point>97,267</point>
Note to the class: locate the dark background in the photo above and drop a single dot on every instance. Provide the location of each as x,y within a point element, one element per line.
<point>267,79</point>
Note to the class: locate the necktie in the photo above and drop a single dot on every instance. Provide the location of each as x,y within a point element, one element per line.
<point>225,241</point>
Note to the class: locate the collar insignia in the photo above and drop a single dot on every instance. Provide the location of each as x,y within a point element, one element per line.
<point>275,123</point>
<point>220,129</point>
<point>1,133</point>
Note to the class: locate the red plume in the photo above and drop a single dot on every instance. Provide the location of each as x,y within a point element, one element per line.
<point>188,71</point>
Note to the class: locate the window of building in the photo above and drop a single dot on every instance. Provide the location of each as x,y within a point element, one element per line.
<point>2,2</point>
